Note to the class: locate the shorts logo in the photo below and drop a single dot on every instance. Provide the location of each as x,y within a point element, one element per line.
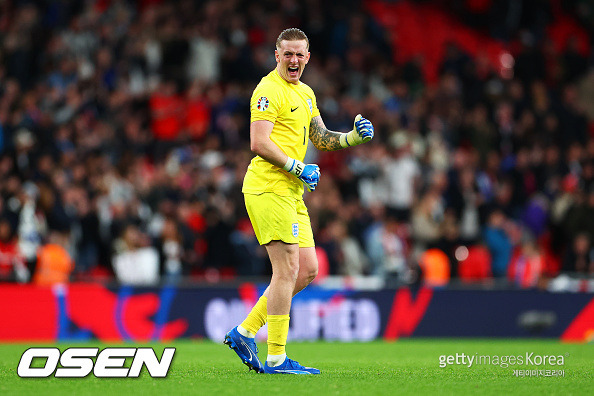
<point>263,103</point>
<point>295,230</point>
<point>310,105</point>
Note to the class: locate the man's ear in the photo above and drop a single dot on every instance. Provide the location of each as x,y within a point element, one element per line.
<point>307,57</point>
<point>276,56</point>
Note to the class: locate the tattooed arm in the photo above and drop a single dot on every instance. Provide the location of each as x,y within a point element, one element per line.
<point>321,137</point>
<point>326,140</point>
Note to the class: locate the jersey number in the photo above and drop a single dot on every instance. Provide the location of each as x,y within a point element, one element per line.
<point>304,135</point>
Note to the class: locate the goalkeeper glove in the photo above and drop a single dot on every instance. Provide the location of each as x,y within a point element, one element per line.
<point>309,174</point>
<point>362,133</point>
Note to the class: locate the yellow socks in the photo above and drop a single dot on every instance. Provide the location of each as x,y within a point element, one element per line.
<point>256,318</point>
<point>278,330</point>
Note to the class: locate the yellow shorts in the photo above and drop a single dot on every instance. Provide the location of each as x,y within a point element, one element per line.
<point>279,218</point>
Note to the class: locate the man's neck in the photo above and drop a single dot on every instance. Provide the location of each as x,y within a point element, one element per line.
<point>282,78</point>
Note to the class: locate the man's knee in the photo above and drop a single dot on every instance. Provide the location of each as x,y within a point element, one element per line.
<point>291,271</point>
<point>309,264</point>
<point>312,273</point>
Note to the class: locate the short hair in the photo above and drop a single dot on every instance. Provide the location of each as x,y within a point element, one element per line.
<point>292,34</point>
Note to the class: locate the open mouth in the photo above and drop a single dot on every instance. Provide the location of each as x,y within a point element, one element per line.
<point>293,71</point>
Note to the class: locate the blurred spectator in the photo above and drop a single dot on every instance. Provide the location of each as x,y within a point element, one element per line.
<point>86,238</point>
<point>54,263</point>
<point>166,112</point>
<point>475,263</point>
<point>352,259</point>
<point>171,250</point>
<point>498,242</point>
<point>197,112</point>
<point>580,256</point>
<point>250,256</point>
<point>12,265</point>
<point>436,268</point>
<point>426,219</point>
<point>219,251</point>
<point>450,240</point>
<point>535,214</point>
<point>135,263</point>
<point>527,264</point>
<point>401,173</point>
<point>32,225</point>
<point>575,64</point>
<point>465,200</point>
<point>386,248</point>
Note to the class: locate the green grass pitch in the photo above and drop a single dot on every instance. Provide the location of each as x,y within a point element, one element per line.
<point>409,366</point>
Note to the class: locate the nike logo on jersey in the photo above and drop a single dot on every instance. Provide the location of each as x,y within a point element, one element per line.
<point>293,109</point>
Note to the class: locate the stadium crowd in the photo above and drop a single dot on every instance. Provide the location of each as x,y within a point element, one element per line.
<point>124,139</point>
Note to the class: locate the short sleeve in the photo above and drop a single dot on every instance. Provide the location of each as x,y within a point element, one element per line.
<point>266,103</point>
<point>314,111</point>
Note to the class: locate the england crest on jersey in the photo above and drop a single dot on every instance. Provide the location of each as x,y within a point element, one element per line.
<point>295,230</point>
<point>310,103</point>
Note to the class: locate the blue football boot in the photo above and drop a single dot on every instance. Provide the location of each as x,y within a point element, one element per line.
<point>290,367</point>
<point>245,348</point>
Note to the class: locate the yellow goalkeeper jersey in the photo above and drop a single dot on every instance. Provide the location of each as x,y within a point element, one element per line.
<point>290,108</point>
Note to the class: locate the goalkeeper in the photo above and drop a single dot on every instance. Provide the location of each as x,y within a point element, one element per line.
<point>284,116</point>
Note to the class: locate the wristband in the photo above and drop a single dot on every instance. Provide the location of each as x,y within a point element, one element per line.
<point>294,167</point>
<point>344,140</point>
